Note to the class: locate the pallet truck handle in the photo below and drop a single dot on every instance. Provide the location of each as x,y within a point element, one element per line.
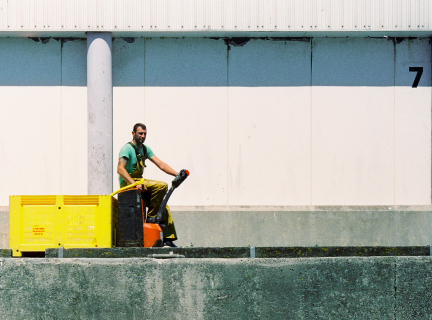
<point>128,187</point>
<point>180,177</point>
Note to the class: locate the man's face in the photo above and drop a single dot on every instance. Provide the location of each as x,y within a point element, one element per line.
<point>140,135</point>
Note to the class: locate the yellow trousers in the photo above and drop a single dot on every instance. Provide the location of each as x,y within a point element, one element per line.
<point>157,190</point>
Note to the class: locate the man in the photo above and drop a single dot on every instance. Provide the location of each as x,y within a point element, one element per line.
<point>131,168</point>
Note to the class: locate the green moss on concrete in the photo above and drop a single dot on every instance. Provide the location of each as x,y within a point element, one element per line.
<point>6,253</point>
<point>306,252</point>
<point>141,288</point>
<point>242,252</point>
<point>134,252</point>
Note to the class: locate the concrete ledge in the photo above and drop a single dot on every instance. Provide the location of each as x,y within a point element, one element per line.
<point>337,226</point>
<point>243,252</point>
<point>4,227</point>
<point>306,227</point>
<point>145,252</point>
<point>5,253</point>
<point>388,208</point>
<point>413,288</point>
<point>144,288</point>
<point>305,252</point>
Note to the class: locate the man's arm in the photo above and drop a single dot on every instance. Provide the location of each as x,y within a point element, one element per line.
<point>163,166</point>
<point>121,170</point>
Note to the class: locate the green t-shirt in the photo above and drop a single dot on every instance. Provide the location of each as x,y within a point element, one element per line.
<point>128,152</point>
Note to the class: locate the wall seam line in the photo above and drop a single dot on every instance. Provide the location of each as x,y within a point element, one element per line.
<point>144,80</point>
<point>394,123</point>
<point>227,115</point>
<point>61,116</point>
<point>311,123</point>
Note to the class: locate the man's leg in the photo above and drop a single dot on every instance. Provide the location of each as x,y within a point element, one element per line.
<point>169,232</point>
<point>157,190</point>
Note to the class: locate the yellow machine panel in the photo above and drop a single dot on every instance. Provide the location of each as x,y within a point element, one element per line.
<point>40,222</point>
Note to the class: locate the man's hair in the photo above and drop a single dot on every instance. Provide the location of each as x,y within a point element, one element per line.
<point>139,125</point>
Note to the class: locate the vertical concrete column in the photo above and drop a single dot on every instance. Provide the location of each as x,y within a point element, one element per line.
<point>100,113</point>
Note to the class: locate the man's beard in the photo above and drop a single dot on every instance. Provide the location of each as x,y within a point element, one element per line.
<point>138,140</point>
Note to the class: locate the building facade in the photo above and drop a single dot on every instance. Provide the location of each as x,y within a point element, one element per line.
<point>267,103</point>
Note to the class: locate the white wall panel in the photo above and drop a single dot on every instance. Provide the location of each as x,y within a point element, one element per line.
<point>30,131</point>
<point>269,146</point>
<point>413,124</point>
<point>74,118</point>
<point>74,140</point>
<point>186,115</point>
<point>353,122</point>
<point>30,122</point>
<point>269,126</point>
<point>128,94</point>
<point>352,138</point>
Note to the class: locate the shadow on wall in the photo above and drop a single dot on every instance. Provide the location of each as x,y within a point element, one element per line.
<point>218,63</point>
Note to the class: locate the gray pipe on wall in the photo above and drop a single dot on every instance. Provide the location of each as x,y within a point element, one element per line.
<point>99,113</point>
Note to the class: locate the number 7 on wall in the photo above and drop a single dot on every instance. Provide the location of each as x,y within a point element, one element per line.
<point>419,71</point>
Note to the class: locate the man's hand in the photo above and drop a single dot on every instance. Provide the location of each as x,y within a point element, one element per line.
<point>141,187</point>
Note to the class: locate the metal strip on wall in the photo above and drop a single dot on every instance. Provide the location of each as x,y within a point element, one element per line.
<point>223,15</point>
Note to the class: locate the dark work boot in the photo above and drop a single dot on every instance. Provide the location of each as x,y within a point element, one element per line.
<point>151,220</point>
<point>169,243</point>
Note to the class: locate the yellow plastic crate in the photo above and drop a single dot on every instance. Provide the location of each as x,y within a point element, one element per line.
<point>40,222</point>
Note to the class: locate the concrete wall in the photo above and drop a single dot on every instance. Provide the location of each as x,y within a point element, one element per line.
<point>303,226</point>
<point>293,226</point>
<point>309,288</point>
<point>4,227</point>
<point>268,123</point>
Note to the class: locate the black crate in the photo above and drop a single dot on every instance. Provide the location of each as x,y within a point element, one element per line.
<point>130,219</point>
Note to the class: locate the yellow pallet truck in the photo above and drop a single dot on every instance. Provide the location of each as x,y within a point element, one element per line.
<point>51,221</point>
